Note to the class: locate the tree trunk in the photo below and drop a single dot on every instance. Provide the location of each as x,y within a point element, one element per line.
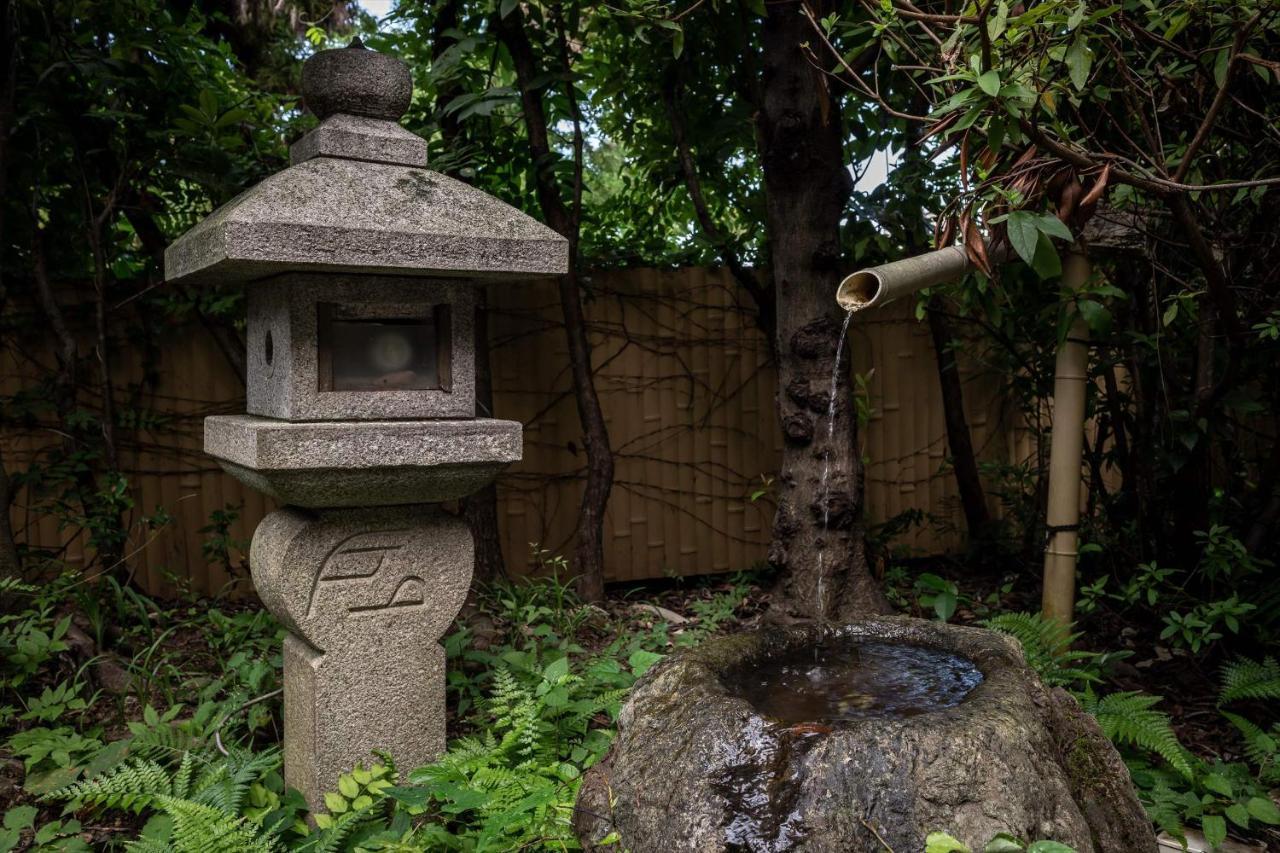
<point>817,538</point>
<point>9,563</point>
<point>959,440</point>
<point>589,552</point>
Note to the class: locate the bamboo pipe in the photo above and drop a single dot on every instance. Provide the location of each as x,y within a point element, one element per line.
<point>877,286</point>
<point>1062,520</point>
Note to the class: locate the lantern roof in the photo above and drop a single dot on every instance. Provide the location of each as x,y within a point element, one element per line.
<point>359,198</point>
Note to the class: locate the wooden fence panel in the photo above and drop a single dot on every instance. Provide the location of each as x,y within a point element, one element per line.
<point>688,392</point>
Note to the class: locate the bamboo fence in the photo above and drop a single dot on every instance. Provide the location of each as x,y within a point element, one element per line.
<point>687,389</point>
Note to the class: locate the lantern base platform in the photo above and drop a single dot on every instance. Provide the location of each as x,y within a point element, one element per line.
<point>362,463</point>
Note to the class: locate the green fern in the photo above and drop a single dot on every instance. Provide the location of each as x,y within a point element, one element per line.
<point>133,786</point>
<point>1046,645</point>
<point>1261,747</point>
<point>199,828</point>
<point>1129,718</point>
<point>1248,679</point>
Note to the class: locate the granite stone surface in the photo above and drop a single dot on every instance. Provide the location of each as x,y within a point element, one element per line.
<point>361,138</point>
<point>365,596</point>
<point>333,214</point>
<point>286,385</point>
<point>369,463</point>
<point>357,81</point>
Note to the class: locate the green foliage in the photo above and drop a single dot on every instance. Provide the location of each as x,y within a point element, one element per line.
<point>55,836</point>
<point>1046,644</point>
<point>938,593</point>
<point>1128,718</point>
<point>941,842</point>
<point>1247,679</point>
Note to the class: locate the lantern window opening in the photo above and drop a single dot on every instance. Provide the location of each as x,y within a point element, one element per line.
<point>372,348</point>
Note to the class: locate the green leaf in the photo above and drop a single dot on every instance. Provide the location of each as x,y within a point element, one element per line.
<point>335,803</point>
<point>348,786</point>
<point>1050,847</point>
<point>995,134</point>
<point>940,842</point>
<point>1046,262</point>
<point>989,82</point>
<point>1215,829</point>
<point>1221,64</point>
<point>641,660</point>
<point>1079,61</point>
<point>1098,316</point>
<point>1003,843</point>
<point>996,23</point>
<point>1238,815</point>
<point>19,817</point>
<point>677,43</point>
<point>1263,809</point>
<point>412,797</point>
<point>1023,234</point>
<point>556,670</point>
<point>1077,17</point>
<point>1054,227</point>
<point>1217,783</point>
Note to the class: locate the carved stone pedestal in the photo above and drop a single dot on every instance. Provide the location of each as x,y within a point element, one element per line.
<point>366,595</point>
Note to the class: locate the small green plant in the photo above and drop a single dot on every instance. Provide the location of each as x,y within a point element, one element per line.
<point>219,545</point>
<point>54,702</point>
<point>1198,627</point>
<point>938,593</point>
<point>941,842</point>
<point>56,836</point>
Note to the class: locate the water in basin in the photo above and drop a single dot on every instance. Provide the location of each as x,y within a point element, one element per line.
<point>854,681</point>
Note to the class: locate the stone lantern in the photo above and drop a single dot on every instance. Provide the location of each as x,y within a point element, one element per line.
<point>361,268</point>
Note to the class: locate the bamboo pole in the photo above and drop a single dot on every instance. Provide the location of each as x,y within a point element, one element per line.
<point>1066,445</point>
<point>879,285</point>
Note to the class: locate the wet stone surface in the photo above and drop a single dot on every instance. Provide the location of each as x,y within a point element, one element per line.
<point>900,727</point>
<point>855,681</point>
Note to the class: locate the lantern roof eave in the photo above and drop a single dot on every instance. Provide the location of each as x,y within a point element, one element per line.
<point>330,214</point>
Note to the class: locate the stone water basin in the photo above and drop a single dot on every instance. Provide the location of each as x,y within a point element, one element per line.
<point>859,737</point>
<point>844,681</point>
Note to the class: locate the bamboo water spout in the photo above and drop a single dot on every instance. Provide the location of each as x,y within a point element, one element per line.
<point>880,285</point>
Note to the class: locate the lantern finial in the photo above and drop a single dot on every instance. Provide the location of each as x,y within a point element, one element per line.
<point>357,81</point>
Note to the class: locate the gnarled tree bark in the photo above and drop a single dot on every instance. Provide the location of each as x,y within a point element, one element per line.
<point>817,537</point>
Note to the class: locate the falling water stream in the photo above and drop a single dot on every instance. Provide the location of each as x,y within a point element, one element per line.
<point>823,483</point>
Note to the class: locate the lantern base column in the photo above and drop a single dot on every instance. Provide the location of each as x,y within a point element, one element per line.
<point>365,595</point>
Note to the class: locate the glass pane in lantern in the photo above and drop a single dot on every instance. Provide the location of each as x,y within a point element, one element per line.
<point>370,353</point>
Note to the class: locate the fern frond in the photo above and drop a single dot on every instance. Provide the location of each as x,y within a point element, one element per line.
<point>1165,810</point>
<point>1046,645</point>
<point>182,777</point>
<point>163,742</point>
<point>225,784</point>
<point>1260,746</point>
<point>1249,679</point>
<point>332,838</point>
<point>198,828</point>
<point>133,785</point>
<point>1129,718</point>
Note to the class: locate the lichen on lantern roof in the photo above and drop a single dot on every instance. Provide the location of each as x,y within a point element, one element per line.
<point>359,198</point>
<point>336,214</point>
